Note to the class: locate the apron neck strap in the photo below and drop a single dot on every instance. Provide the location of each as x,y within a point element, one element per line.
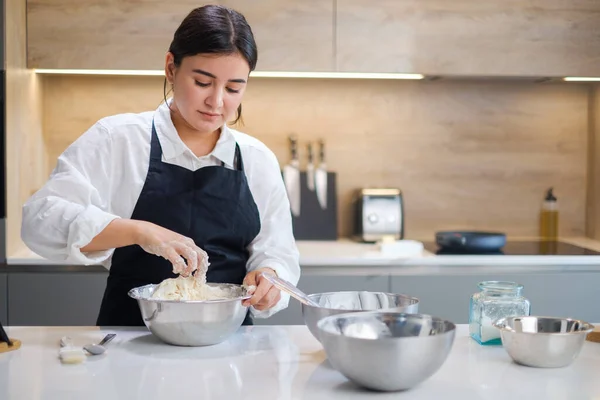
<point>237,160</point>
<point>155,148</point>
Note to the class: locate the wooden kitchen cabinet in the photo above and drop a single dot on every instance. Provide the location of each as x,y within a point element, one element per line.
<point>469,37</point>
<point>291,35</point>
<point>438,37</point>
<point>3,300</point>
<point>135,34</point>
<point>320,284</point>
<point>55,299</point>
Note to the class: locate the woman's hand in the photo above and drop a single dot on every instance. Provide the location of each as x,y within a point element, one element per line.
<point>172,246</point>
<point>266,295</point>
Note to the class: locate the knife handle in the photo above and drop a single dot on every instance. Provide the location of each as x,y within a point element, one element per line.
<point>322,150</point>
<point>310,152</point>
<point>294,147</point>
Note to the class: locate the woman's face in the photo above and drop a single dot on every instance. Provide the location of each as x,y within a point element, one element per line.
<point>207,88</point>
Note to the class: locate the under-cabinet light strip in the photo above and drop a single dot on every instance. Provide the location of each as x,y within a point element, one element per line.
<point>131,72</point>
<point>273,74</point>
<point>258,74</point>
<point>581,79</point>
<point>335,75</point>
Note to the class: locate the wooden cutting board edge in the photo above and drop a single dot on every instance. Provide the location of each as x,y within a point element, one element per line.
<point>594,336</point>
<point>4,347</point>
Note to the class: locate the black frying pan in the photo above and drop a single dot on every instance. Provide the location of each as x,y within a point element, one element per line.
<point>470,241</point>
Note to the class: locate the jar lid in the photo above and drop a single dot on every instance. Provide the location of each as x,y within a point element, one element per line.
<point>500,286</point>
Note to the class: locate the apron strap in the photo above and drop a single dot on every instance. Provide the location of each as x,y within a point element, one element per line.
<point>238,163</point>
<point>238,157</point>
<point>155,148</point>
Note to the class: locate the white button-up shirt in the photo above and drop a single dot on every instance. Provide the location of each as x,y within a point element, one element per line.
<point>100,177</point>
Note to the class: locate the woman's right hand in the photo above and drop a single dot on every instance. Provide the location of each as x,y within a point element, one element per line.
<point>172,246</point>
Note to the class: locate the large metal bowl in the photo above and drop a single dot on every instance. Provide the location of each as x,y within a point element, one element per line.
<point>333,303</point>
<point>192,323</point>
<point>386,351</point>
<point>543,342</point>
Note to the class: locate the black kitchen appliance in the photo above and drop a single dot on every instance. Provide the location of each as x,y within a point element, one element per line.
<point>519,248</point>
<point>470,241</point>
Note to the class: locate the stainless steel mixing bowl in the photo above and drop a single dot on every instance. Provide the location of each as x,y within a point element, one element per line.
<point>192,323</point>
<point>543,342</point>
<point>334,303</point>
<point>386,351</point>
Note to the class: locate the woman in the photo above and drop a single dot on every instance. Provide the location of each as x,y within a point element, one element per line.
<point>142,192</point>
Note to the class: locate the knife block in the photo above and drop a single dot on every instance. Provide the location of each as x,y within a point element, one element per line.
<point>315,223</point>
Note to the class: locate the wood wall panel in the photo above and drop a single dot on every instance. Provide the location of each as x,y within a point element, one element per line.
<point>26,157</point>
<point>467,155</point>
<point>470,37</point>
<point>133,34</point>
<point>593,182</point>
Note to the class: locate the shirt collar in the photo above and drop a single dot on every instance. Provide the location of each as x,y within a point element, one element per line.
<point>173,146</point>
<point>225,148</point>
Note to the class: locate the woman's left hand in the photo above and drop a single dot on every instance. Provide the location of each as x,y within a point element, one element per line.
<point>266,295</point>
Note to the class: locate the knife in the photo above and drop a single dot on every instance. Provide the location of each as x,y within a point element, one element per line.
<point>3,336</point>
<point>310,169</point>
<point>291,177</point>
<point>321,177</point>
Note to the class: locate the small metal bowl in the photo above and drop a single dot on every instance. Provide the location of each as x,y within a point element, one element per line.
<point>543,342</point>
<point>192,322</point>
<point>333,303</point>
<point>386,351</point>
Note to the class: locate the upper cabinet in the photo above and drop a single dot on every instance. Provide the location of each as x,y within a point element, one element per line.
<point>469,37</point>
<point>135,34</point>
<point>435,37</point>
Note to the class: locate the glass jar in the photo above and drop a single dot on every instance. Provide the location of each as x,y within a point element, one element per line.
<point>495,300</point>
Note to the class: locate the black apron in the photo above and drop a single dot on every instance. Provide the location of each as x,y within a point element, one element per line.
<point>212,205</point>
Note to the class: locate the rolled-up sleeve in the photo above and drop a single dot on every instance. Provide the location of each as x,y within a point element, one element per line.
<point>74,205</point>
<point>274,247</point>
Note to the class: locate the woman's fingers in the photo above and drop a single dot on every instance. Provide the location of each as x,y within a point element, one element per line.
<point>269,299</point>
<point>201,255</point>
<point>202,259</point>
<point>189,254</point>
<point>265,296</point>
<point>173,256</point>
<point>176,249</point>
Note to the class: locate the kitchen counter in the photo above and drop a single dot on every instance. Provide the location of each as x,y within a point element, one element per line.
<point>264,363</point>
<point>27,291</point>
<point>348,253</point>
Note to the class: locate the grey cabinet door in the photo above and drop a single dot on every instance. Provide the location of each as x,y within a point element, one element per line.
<point>3,300</point>
<point>559,294</point>
<point>55,299</point>
<point>441,296</point>
<point>562,294</point>
<point>324,283</point>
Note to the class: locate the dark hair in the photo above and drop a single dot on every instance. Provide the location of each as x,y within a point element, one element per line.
<point>214,29</point>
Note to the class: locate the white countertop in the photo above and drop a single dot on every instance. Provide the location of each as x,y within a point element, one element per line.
<point>345,252</point>
<point>263,363</point>
<point>348,253</point>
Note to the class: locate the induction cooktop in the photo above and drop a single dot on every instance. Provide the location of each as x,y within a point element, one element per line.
<point>523,248</point>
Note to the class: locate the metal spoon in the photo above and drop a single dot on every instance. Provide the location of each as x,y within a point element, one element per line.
<point>292,290</point>
<point>97,349</point>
